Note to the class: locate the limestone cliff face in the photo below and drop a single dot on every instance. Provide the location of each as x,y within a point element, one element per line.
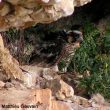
<point>25,13</point>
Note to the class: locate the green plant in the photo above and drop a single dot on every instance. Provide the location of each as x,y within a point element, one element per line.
<point>12,34</point>
<point>84,57</point>
<point>93,56</point>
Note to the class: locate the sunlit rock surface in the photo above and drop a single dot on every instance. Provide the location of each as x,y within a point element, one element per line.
<point>25,13</point>
<point>39,100</point>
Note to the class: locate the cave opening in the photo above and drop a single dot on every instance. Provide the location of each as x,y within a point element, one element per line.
<point>96,9</point>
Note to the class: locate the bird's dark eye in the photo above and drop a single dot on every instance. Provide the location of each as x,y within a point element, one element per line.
<point>78,36</point>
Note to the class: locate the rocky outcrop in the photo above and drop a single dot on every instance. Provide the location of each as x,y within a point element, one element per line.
<point>43,88</point>
<point>12,99</point>
<point>8,64</point>
<point>17,13</point>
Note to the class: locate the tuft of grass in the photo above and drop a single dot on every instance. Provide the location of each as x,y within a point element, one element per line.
<point>12,34</point>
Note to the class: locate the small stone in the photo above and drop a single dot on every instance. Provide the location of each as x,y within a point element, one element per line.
<point>8,85</point>
<point>2,84</point>
<point>98,98</point>
<point>65,91</point>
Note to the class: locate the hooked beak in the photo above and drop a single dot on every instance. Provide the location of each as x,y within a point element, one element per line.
<point>77,44</point>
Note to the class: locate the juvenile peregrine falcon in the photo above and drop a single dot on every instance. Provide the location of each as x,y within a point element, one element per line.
<point>56,46</point>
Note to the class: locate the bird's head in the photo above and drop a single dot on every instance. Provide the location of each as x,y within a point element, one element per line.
<point>75,37</point>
